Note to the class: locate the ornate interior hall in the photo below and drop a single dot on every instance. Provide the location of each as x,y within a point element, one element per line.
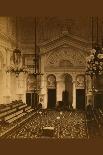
<point>51,77</point>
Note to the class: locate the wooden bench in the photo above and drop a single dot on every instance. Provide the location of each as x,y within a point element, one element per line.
<point>30,110</point>
<point>27,108</point>
<point>15,118</point>
<point>22,106</point>
<point>5,109</point>
<point>16,105</point>
<point>48,131</point>
<point>3,114</point>
<point>12,115</point>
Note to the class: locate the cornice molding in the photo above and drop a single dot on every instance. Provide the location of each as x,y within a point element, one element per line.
<point>63,36</point>
<point>64,40</point>
<point>75,69</point>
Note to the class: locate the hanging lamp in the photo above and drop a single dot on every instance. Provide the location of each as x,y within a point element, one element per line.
<point>17,66</point>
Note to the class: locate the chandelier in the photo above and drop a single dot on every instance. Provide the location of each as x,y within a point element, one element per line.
<point>16,66</point>
<point>95,59</point>
<point>95,62</point>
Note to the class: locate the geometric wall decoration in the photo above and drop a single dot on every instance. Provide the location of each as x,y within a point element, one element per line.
<point>70,56</point>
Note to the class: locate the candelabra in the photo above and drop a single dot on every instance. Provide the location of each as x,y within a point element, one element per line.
<point>16,58</point>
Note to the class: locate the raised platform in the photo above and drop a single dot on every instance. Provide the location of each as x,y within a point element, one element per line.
<point>48,132</point>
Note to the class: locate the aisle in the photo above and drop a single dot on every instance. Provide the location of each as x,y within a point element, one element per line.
<point>66,125</point>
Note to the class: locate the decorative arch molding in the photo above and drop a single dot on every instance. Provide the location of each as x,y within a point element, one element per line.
<point>51,81</point>
<point>71,57</point>
<point>64,75</point>
<point>80,81</point>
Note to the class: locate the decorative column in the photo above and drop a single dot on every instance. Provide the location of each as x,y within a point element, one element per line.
<point>43,93</point>
<point>74,95</point>
<point>58,91</point>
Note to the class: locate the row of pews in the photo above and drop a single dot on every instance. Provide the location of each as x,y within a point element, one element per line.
<point>13,111</point>
<point>94,117</point>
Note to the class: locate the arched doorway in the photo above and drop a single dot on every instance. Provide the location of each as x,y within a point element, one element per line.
<point>51,91</point>
<point>80,92</point>
<point>67,95</point>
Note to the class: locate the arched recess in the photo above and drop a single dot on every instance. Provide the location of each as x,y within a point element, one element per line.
<point>67,94</point>
<point>51,91</point>
<point>80,92</point>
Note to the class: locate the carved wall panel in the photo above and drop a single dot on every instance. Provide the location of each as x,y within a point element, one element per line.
<point>66,57</point>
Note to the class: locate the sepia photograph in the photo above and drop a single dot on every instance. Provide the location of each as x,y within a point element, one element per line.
<point>51,77</point>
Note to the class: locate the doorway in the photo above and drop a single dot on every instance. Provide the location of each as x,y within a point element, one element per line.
<point>31,99</point>
<point>80,99</point>
<point>68,90</point>
<point>51,98</point>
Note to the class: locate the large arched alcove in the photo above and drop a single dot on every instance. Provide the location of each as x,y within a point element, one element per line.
<point>67,94</point>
